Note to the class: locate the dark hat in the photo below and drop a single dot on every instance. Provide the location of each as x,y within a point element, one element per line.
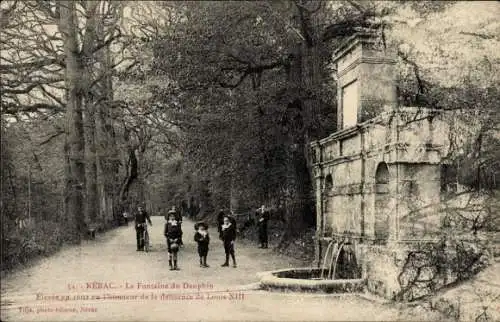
<point>200,224</point>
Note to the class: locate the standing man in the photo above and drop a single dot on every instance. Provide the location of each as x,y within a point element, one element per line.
<point>263,216</point>
<point>140,225</point>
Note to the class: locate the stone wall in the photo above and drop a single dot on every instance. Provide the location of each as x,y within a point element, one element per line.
<point>379,265</point>
<point>380,269</point>
<point>379,180</point>
<point>411,270</point>
<point>383,188</point>
<point>378,91</point>
<point>419,196</point>
<point>355,202</point>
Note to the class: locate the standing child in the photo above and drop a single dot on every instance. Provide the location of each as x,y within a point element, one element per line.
<point>203,239</point>
<point>178,217</point>
<point>228,232</point>
<point>173,234</point>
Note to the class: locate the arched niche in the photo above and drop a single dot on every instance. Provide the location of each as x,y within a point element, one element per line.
<point>328,182</point>
<point>448,178</point>
<point>382,201</point>
<point>382,175</point>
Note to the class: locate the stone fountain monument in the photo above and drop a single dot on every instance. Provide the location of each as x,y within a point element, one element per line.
<point>379,178</point>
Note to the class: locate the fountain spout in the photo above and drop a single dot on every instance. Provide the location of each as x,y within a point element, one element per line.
<point>331,248</point>
<point>325,259</point>
<point>347,263</point>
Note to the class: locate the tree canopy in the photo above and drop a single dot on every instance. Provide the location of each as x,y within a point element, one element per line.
<point>212,104</point>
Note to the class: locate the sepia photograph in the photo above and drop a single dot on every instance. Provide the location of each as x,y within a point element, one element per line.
<point>281,160</point>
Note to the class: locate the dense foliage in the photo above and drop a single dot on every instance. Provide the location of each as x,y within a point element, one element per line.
<point>211,104</point>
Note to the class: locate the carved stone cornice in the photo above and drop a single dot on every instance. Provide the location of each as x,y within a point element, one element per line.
<point>368,60</point>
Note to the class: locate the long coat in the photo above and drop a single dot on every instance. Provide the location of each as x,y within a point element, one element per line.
<point>262,224</point>
<point>203,242</point>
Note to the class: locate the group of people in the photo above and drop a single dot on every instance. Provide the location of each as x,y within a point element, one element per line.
<point>173,234</point>
<point>226,226</point>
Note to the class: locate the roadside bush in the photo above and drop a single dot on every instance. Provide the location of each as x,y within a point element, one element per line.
<point>434,266</point>
<point>21,245</point>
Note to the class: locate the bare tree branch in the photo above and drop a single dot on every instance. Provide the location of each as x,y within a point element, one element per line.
<point>475,34</point>
<point>34,64</point>
<point>51,137</point>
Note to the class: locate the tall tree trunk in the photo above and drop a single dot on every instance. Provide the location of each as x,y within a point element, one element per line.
<point>312,80</point>
<point>233,185</point>
<point>140,177</point>
<point>101,152</point>
<point>305,75</point>
<point>132,174</point>
<point>298,205</point>
<point>233,195</point>
<point>75,180</point>
<point>90,99</point>
<point>92,205</point>
<point>112,160</point>
<point>206,206</point>
<point>107,153</point>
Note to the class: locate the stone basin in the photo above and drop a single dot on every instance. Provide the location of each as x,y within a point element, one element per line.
<point>308,280</point>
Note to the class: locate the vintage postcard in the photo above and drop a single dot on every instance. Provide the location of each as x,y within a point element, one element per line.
<point>250,160</point>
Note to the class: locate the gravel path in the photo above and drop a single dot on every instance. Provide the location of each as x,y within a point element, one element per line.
<point>107,280</point>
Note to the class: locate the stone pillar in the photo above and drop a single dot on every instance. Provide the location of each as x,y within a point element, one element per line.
<point>366,80</point>
<point>369,211</point>
<point>318,177</point>
<point>394,201</point>
<point>391,212</point>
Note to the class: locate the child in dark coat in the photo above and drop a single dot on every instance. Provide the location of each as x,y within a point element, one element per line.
<point>173,235</point>
<point>203,239</point>
<point>228,237</point>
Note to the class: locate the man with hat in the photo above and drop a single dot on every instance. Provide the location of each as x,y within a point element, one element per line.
<point>140,225</point>
<point>263,216</point>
